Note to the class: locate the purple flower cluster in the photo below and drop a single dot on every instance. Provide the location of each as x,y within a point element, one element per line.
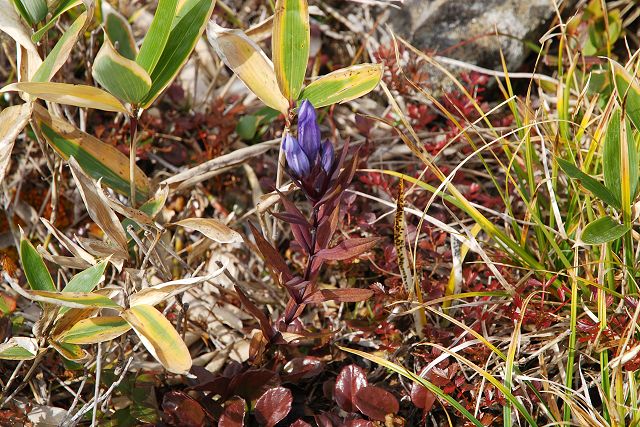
<point>311,161</point>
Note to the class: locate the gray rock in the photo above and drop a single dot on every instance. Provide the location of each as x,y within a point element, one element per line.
<point>468,27</point>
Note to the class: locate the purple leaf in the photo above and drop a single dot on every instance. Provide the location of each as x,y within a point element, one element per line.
<point>233,414</point>
<point>339,295</point>
<point>271,256</point>
<point>348,248</point>
<point>376,403</point>
<point>251,383</point>
<point>265,324</point>
<point>350,380</point>
<point>273,406</point>
<point>183,410</point>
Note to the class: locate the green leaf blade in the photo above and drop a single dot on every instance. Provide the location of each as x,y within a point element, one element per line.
<point>603,230</point>
<point>120,76</point>
<point>343,85</point>
<point>156,39</point>
<point>35,269</point>
<point>290,43</point>
<point>186,29</point>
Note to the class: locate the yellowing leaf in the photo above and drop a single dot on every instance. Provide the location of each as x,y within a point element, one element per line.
<point>69,94</point>
<point>250,64</point>
<point>12,121</point>
<point>73,299</point>
<point>159,337</point>
<point>95,330</point>
<point>156,294</point>
<point>343,85</point>
<point>19,348</point>
<point>212,228</point>
<point>120,76</point>
<point>70,351</point>
<point>97,159</point>
<point>290,45</point>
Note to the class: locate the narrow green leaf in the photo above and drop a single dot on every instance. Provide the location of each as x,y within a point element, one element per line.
<point>612,156</point>
<point>154,42</point>
<point>34,268</point>
<point>603,230</point>
<point>290,45</point>
<point>97,159</point>
<point>343,85</point>
<point>86,280</point>
<point>120,76</point>
<point>628,91</point>
<point>33,11</point>
<point>119,32</point>
<point>591,184</point>
<point>186,29</point>
<point>62,7</point>
<point>95,330</point>
<point>60,52</point>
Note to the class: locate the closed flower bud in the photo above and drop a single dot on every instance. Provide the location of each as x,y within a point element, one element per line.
<point>296,157</point>
<point>308,130</point>
<point>327,156</point>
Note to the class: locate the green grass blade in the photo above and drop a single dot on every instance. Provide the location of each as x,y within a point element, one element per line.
<point>156,39</point>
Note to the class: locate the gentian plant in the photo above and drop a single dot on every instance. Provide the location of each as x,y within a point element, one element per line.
<point>322,176</point>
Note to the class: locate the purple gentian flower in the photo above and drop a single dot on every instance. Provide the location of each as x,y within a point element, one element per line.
<point>307,156</point>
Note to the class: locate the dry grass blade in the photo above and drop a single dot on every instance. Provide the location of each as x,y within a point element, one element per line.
<point>98,206</point>
<point>212,228</point>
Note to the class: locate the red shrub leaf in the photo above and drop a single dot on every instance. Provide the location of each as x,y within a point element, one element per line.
<point>348,249</point>
<point>300,423</point>
<point>421,397</point>
<point>350,380</point>
<point>233,415</point>
<point>376,403</point>
<point>273,406</point>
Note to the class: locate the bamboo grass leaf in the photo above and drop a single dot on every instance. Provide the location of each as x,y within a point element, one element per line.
<point>290,45</point>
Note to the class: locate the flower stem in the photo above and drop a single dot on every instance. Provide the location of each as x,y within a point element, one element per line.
<point>133,128</point>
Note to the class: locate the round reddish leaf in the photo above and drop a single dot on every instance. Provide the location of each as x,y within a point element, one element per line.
<point>301,368</point>
<point>273,406</point>
<point>233,414</point>
<point>182,410</point>
<point>421,397</point>
<point>376,402</point>
<point>350,380</point>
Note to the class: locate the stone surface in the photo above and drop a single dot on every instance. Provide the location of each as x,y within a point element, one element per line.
<point>465,29</point>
